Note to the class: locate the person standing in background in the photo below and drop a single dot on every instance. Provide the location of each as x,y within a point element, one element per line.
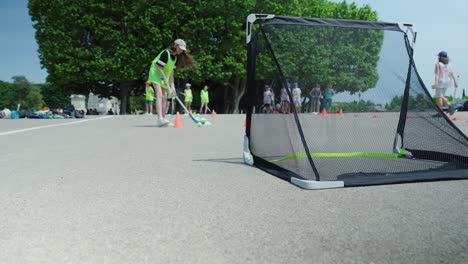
<point>296,95</point>
<point>205,99</point>
<point>315,95</point>
<point>149,98</point>
<point>170,106</point>
<point>443,77</point>
<point>188,97</point>
<point>285,108</point>
<point>268,100</point>
<point>328,97</point>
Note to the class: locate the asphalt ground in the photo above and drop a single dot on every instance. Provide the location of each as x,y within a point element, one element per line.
<point>120,190</point>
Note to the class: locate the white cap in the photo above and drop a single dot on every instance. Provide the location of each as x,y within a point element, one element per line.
<point>181,44</point>
<point>188,84</point>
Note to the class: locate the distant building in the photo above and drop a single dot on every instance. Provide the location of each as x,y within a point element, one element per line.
<point>78,101</point>
<point>102,105</point>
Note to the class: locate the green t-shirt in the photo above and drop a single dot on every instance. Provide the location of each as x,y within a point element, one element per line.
<point>188,95</point>
<point>204,96</point>
<point>149,93</point>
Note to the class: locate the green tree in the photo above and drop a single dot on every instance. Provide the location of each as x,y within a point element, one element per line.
<point>34,99</point>
<point>417,102</point>
<point>344,57</point>
<point>99,46</point>
<point>22,88</point>
<point>107,46</point>
<point>354,106</point>
<point>54,96</point>
<point>27,94</point>
<point>21,91</point>
<point>217,33</point>
<point>220,37</point>
<point>6,95</point>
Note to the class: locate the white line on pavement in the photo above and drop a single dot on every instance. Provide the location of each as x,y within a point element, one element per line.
<point>56,125</point>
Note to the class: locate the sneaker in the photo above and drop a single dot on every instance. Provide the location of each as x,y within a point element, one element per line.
<point>161,122</point>
<point>451,109</point>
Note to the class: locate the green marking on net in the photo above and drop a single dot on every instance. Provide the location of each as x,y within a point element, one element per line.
<point>342,155</point>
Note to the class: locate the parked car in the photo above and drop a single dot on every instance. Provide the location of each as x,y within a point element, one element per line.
<point>460,105</point>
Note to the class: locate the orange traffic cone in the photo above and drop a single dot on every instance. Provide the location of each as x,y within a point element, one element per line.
<point>178,122</point>
<point>213,114</point>
<point>324,112</point>
<point>340,113</point>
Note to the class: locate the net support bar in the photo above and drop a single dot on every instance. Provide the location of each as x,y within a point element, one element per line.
<point>412,29</point>
<point>251,20</point>
<point>248,159</point>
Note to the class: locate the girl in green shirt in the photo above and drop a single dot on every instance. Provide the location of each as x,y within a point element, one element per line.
<point>149,98</point>
<point>161,75</point>
<point>204,99</point>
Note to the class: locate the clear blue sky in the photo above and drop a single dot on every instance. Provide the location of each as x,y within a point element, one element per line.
<point>441,25</point>
<point>18,47</point>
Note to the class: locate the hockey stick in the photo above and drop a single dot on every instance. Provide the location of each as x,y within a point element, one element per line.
<point>179,92</point>
<point>195,120</point>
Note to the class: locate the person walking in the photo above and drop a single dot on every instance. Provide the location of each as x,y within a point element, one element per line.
<point>315,95</point>
<point>205,99</point>
<point>149,98</point>
<point>161,75</point>
<point>443,77</point>
<point>268,101</point>
<point>296,96</point>
<point>188,97</point>
<point>285,107</point>
<point>328,97</point>
<point>170,106</point>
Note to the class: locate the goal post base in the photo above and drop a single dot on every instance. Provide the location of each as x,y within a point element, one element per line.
<point>314,185</point>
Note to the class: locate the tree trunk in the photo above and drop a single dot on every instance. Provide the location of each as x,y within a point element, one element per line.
<point>239,91</point>
<point>124,91</point>
<point>226,101</point>
<point>233,95</point>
